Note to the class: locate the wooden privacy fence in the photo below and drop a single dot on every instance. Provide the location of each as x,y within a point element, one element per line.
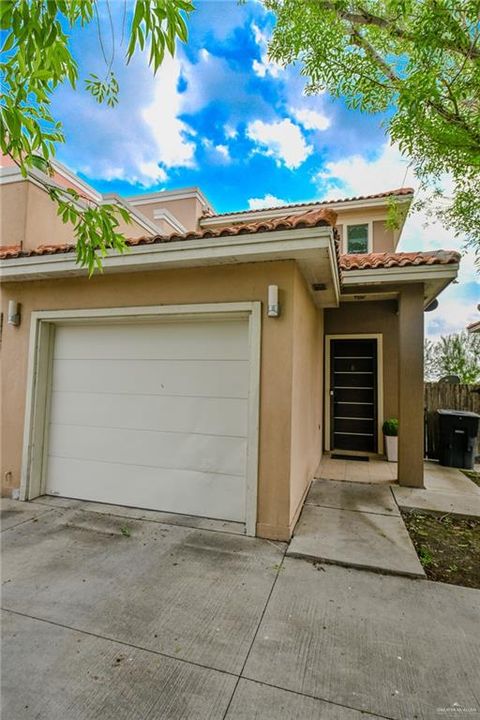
<point>448,397</point>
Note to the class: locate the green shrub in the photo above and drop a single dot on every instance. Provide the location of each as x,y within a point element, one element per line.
<point>390,427</point>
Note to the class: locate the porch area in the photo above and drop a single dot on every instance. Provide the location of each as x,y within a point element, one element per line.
<point>376,471</point>
<point>352,513</point>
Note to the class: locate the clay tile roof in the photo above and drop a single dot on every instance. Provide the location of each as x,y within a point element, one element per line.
<point>309,219</point>
<point>374,261</point>
<point>7,251</point>
<point>399,192</point>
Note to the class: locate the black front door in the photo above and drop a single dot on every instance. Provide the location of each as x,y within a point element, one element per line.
<point>353,395</point>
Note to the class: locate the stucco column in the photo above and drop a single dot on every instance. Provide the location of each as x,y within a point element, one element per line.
<point>410,386</point>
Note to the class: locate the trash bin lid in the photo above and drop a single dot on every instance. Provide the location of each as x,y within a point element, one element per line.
<point>461,413</point>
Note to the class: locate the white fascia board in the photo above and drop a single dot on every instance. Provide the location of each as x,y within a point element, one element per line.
<point>70,175</point>
<point>180,194</point>
<point>415,273</point>
<point>166,215</point>
<point>141,219</point>
<point>435,277</point>
<point>299,244</point>
<point>10,174</point>
<point>39,179</point>
<point>271,213</point>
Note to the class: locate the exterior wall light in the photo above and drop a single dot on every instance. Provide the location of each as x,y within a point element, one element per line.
<point>13,317</point>
<point>273,306</point>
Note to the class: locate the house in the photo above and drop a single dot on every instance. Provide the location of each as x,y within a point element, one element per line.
<point>166,382</point>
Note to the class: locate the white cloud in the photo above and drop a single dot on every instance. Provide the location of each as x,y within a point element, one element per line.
<point>281,140</point>
<point>173,137</point>
<point>230,132</point>
<point>223,151</point>
<point>310,119</point>
<point>152,171</point>
<point>453,314</point>
<point>265,66</point>
<point>358,175</point>
<point>268,201</point>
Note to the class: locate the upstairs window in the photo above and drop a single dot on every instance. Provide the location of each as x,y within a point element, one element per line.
<point>357,238</point>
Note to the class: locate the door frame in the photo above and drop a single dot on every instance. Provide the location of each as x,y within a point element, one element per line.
<point>40,361</point>
<point>355,336</point>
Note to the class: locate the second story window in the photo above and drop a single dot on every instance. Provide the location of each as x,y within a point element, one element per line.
<point>357,238</point>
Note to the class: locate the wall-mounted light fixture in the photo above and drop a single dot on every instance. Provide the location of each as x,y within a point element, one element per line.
<point>273,306</point>
<point>13,317</point>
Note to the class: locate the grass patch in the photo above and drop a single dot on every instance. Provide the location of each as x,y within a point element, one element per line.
<point>448,546</point>
<point>473,475</point>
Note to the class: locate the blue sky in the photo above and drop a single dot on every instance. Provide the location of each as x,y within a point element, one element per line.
<point>220,115</point>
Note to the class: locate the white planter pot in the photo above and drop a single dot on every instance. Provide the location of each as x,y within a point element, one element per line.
<point>391,444</point>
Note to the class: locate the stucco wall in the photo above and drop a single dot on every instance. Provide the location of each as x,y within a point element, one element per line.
<point>307,388</point>
<point>384,239</point>
<point>372,317</point>
<point>29,218</point>
<point>196,285</point>
<point>187,211</point>
<point>13,212</point>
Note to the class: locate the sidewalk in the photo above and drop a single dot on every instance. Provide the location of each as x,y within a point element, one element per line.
<point>355,525</point>
<point>353,518</point>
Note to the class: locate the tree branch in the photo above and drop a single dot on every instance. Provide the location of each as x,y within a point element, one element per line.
<point>363,17</point>
<point>378,60</point>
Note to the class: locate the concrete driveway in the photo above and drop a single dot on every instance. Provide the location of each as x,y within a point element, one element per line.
<point>114,618</point>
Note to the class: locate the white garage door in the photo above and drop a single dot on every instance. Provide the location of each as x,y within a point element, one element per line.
<point>151,415</point>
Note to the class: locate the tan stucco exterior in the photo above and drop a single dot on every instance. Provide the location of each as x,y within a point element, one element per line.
<point>187,211</point>
<point>307,395</point>
<point>292,423</point>
<point>289,443</point>
<point>29,218</point>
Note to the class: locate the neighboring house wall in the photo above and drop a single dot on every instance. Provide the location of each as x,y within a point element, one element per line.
<point>307,395</point>
<point>13,215</point>
<point>29,218</point>
<point>188,211</point>
<point>43,225</point>
<point>196,285</point>
<point>372,318</point>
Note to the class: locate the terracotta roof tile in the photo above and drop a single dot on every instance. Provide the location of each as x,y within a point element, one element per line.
<point>374,261</point>
<point>399,192</point>
<point>7,251</point>
<point>312,218</point>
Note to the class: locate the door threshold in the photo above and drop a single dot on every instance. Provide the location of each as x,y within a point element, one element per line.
<point>343,456</point>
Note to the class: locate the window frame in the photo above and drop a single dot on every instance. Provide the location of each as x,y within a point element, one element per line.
<point>360,221</point>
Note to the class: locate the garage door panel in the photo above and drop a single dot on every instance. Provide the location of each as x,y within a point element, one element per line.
<point>168,340</point>
<point>211,416</point>
<point>151,414</point>
<point>177,491</point>
<point>205,453</point>
<point>211,378</point>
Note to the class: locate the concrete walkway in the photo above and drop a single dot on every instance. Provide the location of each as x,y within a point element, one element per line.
<point>174,623</point>
<point>355,525</point>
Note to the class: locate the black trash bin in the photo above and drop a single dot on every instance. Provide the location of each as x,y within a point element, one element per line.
<point>458,433</point>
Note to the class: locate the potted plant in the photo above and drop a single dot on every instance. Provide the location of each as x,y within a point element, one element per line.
<point>390,432</point>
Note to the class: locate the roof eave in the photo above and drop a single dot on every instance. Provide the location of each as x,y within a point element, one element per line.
<point>270,213</point>
<point>434,277</point>
<point>312,248</point>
